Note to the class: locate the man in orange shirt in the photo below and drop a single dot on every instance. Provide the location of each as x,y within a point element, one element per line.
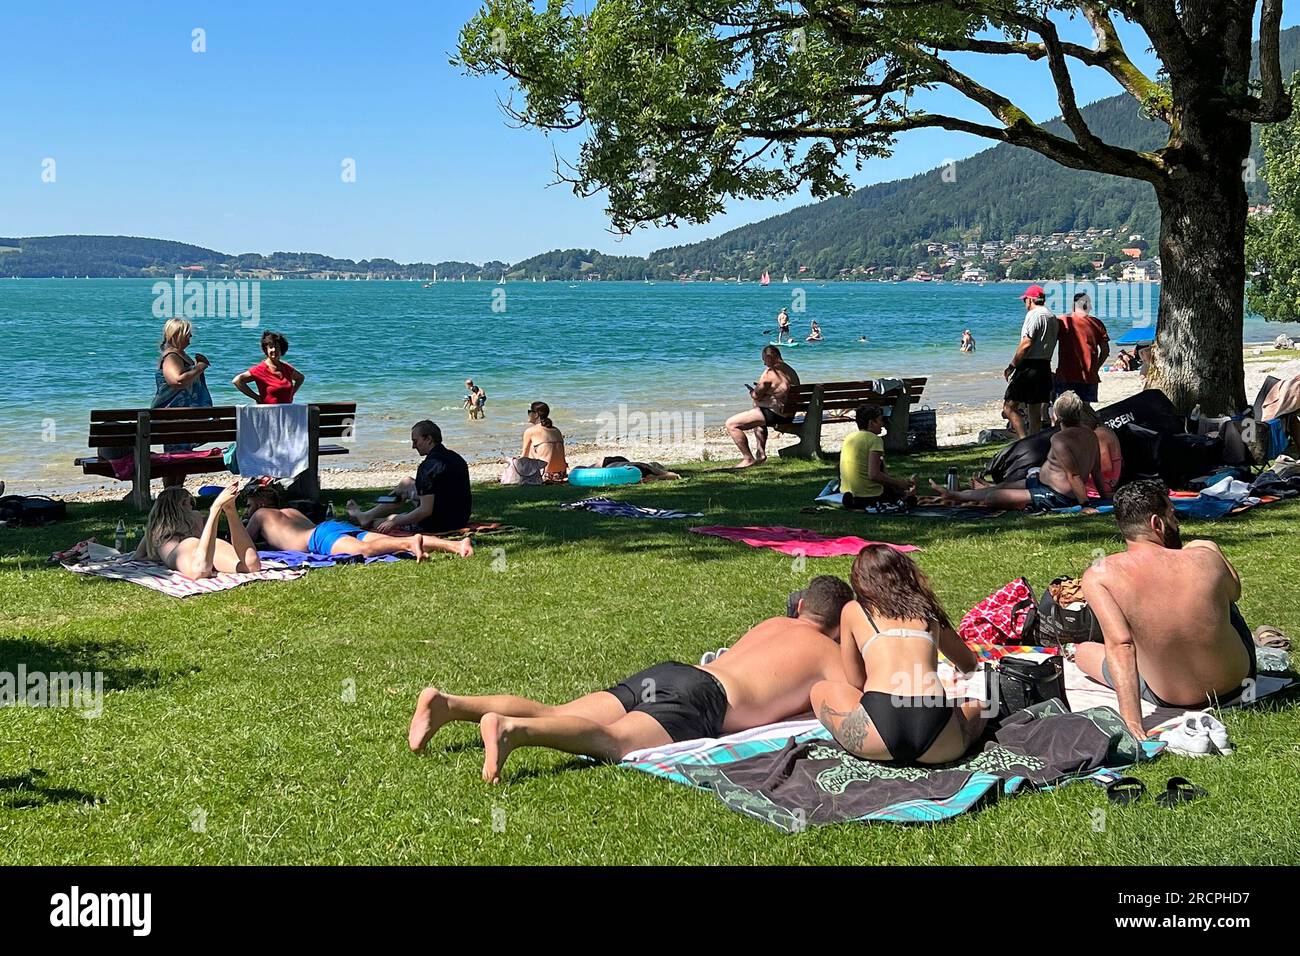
<point>1082,347</point>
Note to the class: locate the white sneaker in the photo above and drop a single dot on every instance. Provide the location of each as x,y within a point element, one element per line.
<point>708,657</point>
<point>721,651</point>
<point>1189,738</point>
<point>1217,731</point>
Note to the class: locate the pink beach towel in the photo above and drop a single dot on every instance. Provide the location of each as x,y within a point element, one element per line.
<point>124,468</point>
<point>798,541</point>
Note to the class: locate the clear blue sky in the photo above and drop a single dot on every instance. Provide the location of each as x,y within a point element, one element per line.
<point>239,148</point>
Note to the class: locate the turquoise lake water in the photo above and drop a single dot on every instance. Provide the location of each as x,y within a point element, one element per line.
<point>403,351</point>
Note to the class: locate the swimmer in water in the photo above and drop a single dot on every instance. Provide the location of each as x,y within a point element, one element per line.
<point>816,334</point>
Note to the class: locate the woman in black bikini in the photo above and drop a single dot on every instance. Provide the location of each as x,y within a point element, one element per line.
<point>894,707</point>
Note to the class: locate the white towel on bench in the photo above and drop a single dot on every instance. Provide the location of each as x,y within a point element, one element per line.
<point>271,440</point>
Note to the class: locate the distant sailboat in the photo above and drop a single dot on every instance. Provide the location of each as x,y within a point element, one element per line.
<point>766,280</point>
<point>785,279</point>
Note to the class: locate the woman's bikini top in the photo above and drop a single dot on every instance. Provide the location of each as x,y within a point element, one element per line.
<point>894,632</point>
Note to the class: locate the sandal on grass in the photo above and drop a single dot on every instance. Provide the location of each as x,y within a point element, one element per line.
<point>1125,790</point>
<point>1266,635</point>
<point>1179,790</point>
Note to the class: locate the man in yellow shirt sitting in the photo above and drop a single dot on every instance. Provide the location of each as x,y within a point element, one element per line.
<point>863,478</point>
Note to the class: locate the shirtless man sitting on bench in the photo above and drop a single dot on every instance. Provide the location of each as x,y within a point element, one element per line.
<point>1173,635</point>
<point>288,529</point>
<point>766,676</point>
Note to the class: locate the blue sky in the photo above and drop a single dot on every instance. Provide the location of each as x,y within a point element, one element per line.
<point>239,148</point>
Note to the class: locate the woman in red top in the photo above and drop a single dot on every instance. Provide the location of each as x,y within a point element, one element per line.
<point>277,381</point>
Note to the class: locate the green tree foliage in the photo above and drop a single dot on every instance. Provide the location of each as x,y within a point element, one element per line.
<point>1273,240</point>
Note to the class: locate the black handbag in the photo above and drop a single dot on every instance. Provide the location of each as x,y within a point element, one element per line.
<point>1023,682</point>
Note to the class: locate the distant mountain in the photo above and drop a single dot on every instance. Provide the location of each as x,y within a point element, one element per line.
<point>993,196</point>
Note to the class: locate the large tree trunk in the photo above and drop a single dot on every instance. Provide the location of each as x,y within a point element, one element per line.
<point>1198,354</point>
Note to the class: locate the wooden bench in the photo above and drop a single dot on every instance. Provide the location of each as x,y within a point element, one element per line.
<point>132,431</point>
<point>827,403</point>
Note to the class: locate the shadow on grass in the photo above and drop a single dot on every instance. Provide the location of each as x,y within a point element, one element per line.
<point>107,658</point>
<point>27,790</point>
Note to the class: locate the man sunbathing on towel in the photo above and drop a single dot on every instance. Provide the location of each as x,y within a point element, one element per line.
<point>765,677</point>
<point>288,529</point>
<point>1173,635</point>
<point>1062,482</point>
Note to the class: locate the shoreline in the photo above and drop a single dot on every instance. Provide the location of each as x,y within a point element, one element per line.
<point>956,424</point>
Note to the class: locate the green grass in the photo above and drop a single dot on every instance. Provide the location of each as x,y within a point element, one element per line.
<point>231,704</point>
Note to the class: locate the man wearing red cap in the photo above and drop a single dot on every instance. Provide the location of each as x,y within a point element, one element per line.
<point>1029,376</point>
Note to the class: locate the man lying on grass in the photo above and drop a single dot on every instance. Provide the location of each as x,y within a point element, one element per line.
<point>765,677</point>
<point>288,529</point>
<point>1169,606</point>
<point>1073,463</point>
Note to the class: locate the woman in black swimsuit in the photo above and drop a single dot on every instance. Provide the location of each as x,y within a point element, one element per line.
<point>894,707</point>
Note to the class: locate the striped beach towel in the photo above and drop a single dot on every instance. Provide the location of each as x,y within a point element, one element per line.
<point>622,509</point>
<point>169,582</point>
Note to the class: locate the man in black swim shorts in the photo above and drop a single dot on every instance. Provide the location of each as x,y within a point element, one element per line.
<point>765,677</point>
<point>774,400</point>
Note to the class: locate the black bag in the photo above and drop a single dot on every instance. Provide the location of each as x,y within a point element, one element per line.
<point>31,511</point>
<point>1023,682</point>
<point>1150,408</point>
<point>1184,457</point>
<point>1013,462</point>
<point>922,430</point>
<point>1059,625</point>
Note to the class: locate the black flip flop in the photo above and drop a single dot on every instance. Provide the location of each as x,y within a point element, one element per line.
<point>1125,790</point>
<point>1179,790</point>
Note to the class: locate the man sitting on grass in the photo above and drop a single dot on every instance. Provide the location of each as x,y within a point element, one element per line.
<point>1169,608</point>
<point>288,529</point>
<point>1062,481</point>
<point>765,677</point>
<point>440,491</point>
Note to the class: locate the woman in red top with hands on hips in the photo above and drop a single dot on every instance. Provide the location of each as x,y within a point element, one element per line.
<point>277,381</point>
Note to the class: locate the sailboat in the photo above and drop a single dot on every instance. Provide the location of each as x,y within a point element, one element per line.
<point>785,279</point>
<point>766,280</point>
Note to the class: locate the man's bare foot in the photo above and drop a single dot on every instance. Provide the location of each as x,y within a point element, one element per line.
<point>745,463</point>
<point>759,459</point>
<point>465,548</point>
<point>977,482</point>
<point>495,731</point>
<point>942,491</point>
<point>354,513</point>
<point>430,714</point>
<point>417,547</point>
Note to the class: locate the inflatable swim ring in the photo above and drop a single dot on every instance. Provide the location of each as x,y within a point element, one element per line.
<point>598,477</point>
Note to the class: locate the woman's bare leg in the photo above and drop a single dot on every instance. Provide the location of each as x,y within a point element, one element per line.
<point>839,707</point>
<point>240,542</point>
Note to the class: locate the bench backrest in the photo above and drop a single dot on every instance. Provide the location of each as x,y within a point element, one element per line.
<point>844,395</point>
<point>116,428</point>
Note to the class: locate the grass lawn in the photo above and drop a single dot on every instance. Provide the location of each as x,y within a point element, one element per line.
<point>231,708</point>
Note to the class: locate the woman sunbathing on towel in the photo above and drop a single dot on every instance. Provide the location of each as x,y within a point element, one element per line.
<point>288,529</point>
<point>894,707</point>
<point>178,537</point>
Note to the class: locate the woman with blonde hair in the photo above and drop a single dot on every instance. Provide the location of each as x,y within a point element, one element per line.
<point>893,707</point>
<point>179,380</point>
<point>178,537</point>
<point>543,441</point>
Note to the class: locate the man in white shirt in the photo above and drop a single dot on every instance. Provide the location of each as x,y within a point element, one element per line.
<point>1029,376</point>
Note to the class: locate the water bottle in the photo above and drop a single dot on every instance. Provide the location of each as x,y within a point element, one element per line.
<point>329,511</point>
<point>119,536</point>
<point>952,479</point>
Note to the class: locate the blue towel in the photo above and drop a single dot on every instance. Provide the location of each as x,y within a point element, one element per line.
<point>621,509</point>
<point>305,559</point>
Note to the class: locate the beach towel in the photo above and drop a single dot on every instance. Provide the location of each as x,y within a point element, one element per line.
<point>124,468</point>
<point>272,440</point>
<point>797,542</point>
<point>100,561</point>
<point>793,775</point>
<point>621,509</point>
